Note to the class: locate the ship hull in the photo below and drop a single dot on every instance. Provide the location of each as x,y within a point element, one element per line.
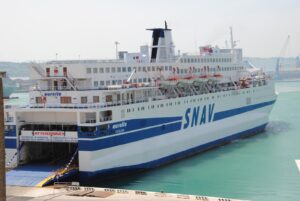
<point>173,138</point>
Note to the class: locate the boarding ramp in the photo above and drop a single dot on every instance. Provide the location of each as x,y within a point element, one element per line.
<point>29,175</point>
<point>41,174</point>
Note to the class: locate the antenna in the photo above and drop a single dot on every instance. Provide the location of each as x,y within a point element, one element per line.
<point>232,42</point>
<point>117,55</point>
<point>166,25</point>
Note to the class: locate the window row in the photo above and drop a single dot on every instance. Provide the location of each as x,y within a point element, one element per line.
<point>128,69</point>
<point>67,99</point>
<point>205,60</point>
<point>119,82</point>
<point>158,69</point>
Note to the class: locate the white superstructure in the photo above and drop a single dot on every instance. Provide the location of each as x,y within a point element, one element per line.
<point>139,111</point>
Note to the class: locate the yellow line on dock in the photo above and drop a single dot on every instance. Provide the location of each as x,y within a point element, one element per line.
<point>51,177</point>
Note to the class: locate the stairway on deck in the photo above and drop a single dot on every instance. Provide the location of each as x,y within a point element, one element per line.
<point>29,175</point>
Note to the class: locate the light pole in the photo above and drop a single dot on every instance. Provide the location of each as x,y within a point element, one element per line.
<point>117,54</point>
<point>2,143</point>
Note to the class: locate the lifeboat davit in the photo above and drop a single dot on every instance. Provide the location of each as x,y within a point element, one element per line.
<point>189,79</point>
<point>172,80</point>
<point>215,77</point>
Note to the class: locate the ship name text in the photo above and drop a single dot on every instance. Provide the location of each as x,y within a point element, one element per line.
<point>198,115</point>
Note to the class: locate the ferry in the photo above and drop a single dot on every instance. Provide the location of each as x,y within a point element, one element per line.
<point>138,111</point>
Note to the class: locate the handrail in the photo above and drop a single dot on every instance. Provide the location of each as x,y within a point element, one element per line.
<point>13,157</point>
<point>67,167</point>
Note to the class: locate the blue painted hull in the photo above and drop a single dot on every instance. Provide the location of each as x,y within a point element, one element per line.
<point>87,177</point>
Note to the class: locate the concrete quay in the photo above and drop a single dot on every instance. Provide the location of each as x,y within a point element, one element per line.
<point>74,193</point>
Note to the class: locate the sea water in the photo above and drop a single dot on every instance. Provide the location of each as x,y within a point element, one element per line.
<point>261,167</point>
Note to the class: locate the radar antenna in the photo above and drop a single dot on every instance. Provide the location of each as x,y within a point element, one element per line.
<point>232,42</point>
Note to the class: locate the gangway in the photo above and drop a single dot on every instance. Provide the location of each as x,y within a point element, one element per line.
<point>40,175</point>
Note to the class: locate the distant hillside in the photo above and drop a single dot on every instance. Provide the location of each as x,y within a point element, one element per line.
<point>14,69</point>
<point>269,64</point>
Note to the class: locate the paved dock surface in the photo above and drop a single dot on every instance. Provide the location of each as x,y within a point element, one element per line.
<point>74,193</point>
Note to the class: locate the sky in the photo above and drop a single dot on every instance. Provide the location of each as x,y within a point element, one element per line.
<point>39,30</point>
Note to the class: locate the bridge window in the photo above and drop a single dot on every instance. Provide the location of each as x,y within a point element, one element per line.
<point>113,69</point>
<point>95,99</point>
<point>95,70</point>
<point>109,98</point>
<point>107,70</point>
<point>95,83</point>
<point>65,99</point>
<point>84,99</point>
<point>101,70</point>
<point>123,69</point>
<point>101,83</point>
<point>129,69</point>
<point>119,69</point>
<point>40,99</point>
<point>88,70</point>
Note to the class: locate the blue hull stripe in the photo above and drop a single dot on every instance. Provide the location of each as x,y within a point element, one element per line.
<point>84,176</point>
<point>10,143</point>
<point>131,125</point>
<point>237,111</point>
<point>111,141</point>
<point>94,145</point>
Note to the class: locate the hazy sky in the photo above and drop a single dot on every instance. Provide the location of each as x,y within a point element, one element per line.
<point>38,29</point>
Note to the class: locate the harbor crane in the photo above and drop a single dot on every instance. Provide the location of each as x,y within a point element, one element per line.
<point>281,55</point>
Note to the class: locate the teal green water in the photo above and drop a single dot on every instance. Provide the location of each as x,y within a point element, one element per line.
<point>23,99</point>
<point>261,167</point>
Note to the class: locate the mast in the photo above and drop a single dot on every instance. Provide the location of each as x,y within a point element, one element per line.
<point>232,42</point>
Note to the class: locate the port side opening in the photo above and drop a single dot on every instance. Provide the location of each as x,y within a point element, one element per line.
<point>52,144</point>
<point>49,153</point>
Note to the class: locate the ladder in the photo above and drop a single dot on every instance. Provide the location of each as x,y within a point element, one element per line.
<point>37,68</point>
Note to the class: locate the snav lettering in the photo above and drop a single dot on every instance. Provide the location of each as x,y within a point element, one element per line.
<point>198,115</point>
